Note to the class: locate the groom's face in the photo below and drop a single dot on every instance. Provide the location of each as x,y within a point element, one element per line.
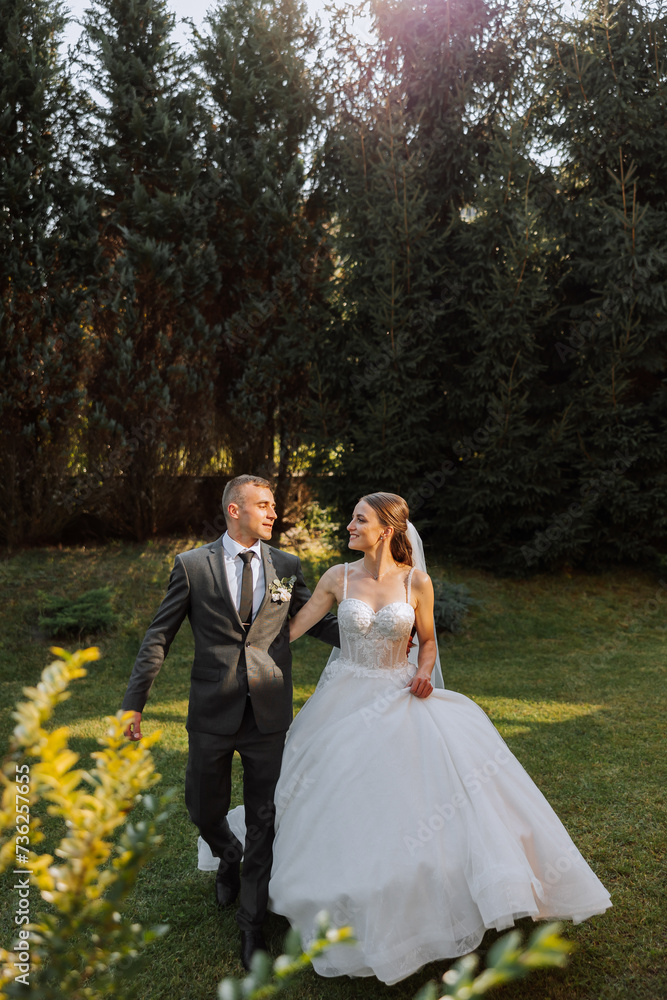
<point>255,513</point>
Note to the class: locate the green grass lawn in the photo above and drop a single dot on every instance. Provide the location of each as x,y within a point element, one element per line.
<point>569,668</point>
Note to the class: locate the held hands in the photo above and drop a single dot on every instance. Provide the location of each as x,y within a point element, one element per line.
<point>133,730</point>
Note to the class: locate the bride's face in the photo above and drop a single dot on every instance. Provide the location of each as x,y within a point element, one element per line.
<point>365,528</point>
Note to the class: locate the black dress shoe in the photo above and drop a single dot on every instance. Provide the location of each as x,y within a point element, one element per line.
<point>251,941</point>
<point>227,885</point>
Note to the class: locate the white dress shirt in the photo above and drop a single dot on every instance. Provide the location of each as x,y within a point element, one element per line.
<point>234,571</point>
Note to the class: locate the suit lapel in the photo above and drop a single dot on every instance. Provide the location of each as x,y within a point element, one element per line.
<point>216,559</point>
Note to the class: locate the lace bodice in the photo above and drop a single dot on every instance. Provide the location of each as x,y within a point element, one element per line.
<point>372,642</point>
<point>377,639</point>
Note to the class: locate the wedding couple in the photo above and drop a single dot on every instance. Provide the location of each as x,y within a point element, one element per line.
<point>398,807</point>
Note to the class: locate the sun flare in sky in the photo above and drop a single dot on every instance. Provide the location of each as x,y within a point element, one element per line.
<point>196,11</point>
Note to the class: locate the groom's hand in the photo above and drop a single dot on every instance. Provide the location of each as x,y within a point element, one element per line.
<point>133,730</point>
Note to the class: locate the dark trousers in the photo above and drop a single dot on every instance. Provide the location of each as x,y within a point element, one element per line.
<point>208,788</point>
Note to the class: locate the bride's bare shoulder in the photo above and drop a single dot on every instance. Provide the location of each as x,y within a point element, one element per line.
<point>421,582</point>
<point>333,577</point>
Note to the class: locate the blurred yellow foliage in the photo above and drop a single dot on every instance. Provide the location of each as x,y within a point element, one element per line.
<point>83,934</point>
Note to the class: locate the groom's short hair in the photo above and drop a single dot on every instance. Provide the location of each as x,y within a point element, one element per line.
<point>233,492</point>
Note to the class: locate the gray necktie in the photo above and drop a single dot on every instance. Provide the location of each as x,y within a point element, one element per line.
<point>245,607</point>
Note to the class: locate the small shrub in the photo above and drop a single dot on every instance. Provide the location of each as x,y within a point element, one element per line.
<point>452,601</point>
<point>315,530</point>
<point>82,948</point>
<point>87,614</point>
<point>321,523</point>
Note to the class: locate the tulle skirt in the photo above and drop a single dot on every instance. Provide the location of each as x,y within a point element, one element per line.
<point>411,821</point>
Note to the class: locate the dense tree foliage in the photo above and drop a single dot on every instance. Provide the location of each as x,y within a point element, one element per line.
<point>376,368</point>
<point>263,107</point>
<point>529,433</point>
<point>446,257</point>
<point>151,389</point>
<point>44,248</point>
<point>435,264</point>
<point>604,109</point>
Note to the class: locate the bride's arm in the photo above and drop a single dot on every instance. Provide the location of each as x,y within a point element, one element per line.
<point>423,590</point>
<point>324,595</point>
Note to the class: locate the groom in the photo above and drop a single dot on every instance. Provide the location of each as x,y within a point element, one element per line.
<point>240,686</point>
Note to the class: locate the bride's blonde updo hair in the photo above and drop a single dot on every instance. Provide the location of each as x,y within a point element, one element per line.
<point>393,512</point>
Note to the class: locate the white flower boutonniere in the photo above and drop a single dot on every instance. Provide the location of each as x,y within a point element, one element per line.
<point>281,590</point>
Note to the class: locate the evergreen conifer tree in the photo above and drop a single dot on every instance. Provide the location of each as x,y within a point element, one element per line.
<point>378,367</point>
<point>409,156</point>
<point>45,247</point>
<point>490,468</point>
<point>546,296</point>
<point>604,109</point>
<point>151,391</point>
<point>264,106</point>
<point>499,421</point>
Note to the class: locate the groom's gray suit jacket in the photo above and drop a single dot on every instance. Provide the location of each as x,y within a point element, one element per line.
<point>229,663</point>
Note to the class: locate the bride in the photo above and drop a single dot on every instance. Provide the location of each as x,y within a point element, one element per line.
<point>399,809</point>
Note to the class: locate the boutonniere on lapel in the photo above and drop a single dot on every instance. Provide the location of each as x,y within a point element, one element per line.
<point>281,590</point>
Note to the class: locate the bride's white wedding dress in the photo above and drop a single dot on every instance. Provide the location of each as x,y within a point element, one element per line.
<point>409,818</point>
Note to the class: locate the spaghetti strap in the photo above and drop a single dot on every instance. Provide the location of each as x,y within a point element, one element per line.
<point>408,584</point>
<point>345,583</point>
